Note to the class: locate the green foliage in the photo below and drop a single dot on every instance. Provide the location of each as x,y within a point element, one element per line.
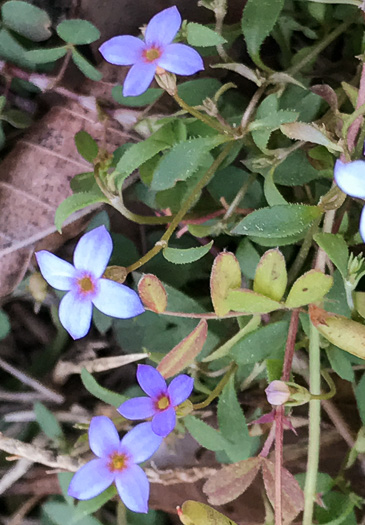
<point>43,56</point>
<point>26,19</point>
<point>336,248</point>
<point>176,256</point>
<point>265,342</point>
<point>48,422</point>
<point>85,67</point>
<point>309,288</point>
<point>204,434</point>
<point>194,92</point>
<point>148,97</point>
<point>109,397</point>
<point>201,36</point>
<point>78,32</point>
<point>86,146</point>
<point>76,202</point>
<point>4,324</point>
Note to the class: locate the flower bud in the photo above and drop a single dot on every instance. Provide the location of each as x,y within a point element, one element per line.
<point>277,393</point>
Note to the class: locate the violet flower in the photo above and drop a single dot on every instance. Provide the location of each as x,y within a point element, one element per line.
<point>156,54</point>
<point>85,284</point>
<point>116,463</point>
<point>162,400</point>
<point>350,178</point>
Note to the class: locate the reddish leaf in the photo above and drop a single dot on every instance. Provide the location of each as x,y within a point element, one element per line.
<point>231,481</point>
<point>292,494</point>
<point>225,276</point>
<point>185,352</point>
<point>152,293</point>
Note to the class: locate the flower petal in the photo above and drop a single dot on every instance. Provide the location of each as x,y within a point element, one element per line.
<point>91,480</point>
<point>117,300</point>
<point>58,273</point>
<point>75,314</point>
<point>137,408</point>
<point>93,251</point>
<point>103,436</point>
<point>122,50</point>
<point>180,389</point>
<point>164,422</point>
<point>180,59</point>
<point>138,79</point>
<point>151,381</point>
<point>162,28</point>
<point>141,442</point>
<point>362,224</point>
<point>133,488</point>
<point>350,177</point>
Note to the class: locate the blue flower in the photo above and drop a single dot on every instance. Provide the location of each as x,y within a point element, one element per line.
<point>156,54</point>
<point>85,284</point>
<point>162,400</point>
<point>116,463</point>
<point>350,178</point>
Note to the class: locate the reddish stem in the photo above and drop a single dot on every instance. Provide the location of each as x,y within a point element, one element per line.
<point>355,126</point>
<point>290,345</point>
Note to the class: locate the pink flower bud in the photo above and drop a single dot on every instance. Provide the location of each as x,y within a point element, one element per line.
<point>277,393</point>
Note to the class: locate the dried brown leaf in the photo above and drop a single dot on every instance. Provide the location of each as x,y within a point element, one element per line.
<point>34,180</point>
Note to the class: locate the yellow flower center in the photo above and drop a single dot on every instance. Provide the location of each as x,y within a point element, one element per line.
<point>117,462</point>
<point>152,54</point>
<point>163,403</point>
<point>85,285</point>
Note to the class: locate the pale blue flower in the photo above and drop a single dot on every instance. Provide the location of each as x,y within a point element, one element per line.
<point>162,401</point>
<point>350,178</point>
<point>116,463</point>
<point>85,284</point>
<point>157,52</point>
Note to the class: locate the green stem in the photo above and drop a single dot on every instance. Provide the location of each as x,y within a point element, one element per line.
<point>241,193</point>
<point>303,252</point>
<point>211,122</point>
<point>321,46</point>
<point>314,426</point>
<point>162,243</point>
<point>218,389</point>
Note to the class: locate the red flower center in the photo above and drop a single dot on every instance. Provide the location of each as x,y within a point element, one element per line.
<point>151,54</point>
<point>163,403</point>
<point>86,285</point>
<point>117,462</point>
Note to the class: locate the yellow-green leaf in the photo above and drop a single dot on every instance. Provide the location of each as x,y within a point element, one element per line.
<point>196,513</point>
<point>152,293</point>
<point>271,277</point>
<point>309,288</point>
<point>250,302</point>
<point>184,353</point>
<point>225,276</point>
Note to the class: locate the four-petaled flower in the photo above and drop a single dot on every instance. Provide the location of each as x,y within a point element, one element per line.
<point>156,54</point>
<point>85,284</point>
<point>350,178</point>
<point>162,400</point>
<point>116,463</point>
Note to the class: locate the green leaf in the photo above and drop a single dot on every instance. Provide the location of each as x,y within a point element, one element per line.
<point>248,258</point>
<point>195,91</point>
<point>242,70</point>
<point>309,288</point>
<point>12,51</point>
<point>339,361</point>
<point>250,302</point>
<point>26,19</point>
<point>78,32</point>
<point>360,396</point>
<point>232,424</point>
<point>196,513</point>
<point>225,276</point>
<point>148,97</point>
<point>17,118</point>
<point>274,369</point>
<point>336,248</point>
<point>258,19</point>
<point>189,255</point>
<point>204,434</point>
<point>201,36</point>
<point>47,421</point>
<point>61,513</point>
<point>265,342</point>
<point>309,133</point>
<point>85,67</point>
<point>76,202</point>
<point>272,194</point>
<point>44,56</point>
<point>295,170</point>
<point>64,479</point>
<point>182,161</point>
<point>84,508</point>
<point>104,394</point>
<point>271,277</point>
<point>86,146</point>
<point>278,221</point>
<point>4,324</point>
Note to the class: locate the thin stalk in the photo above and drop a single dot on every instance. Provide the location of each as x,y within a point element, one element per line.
<point>218,389</point>
<point>251,107</point>
<point>211,122</point>
<point>321,46</point>
<point>162,243</point>
<point>303,252</point>
<point>314,426</point>
<point>241,193</point>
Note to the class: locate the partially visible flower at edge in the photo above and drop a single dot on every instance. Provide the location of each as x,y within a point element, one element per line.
<point>350,178</point>
<point>116,463</point>
<point>156,54</point>
<point>85,284</point>
<point>162,400</point>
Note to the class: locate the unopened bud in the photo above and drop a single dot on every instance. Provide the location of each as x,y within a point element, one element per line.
<point>116,273</point>
<point>167,81</point>
<point>277,393</point>
<point>37,287</point>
